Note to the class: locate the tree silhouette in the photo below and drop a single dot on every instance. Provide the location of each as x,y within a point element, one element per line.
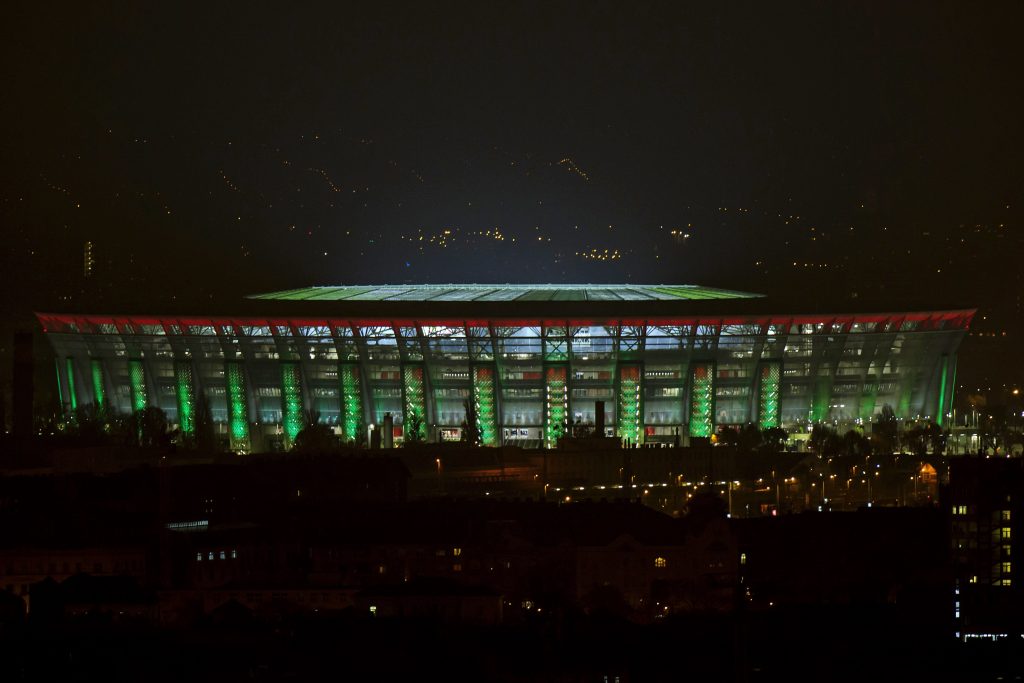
<point>582,430</point>
<point>89,425</point>
<point>413,429</point>
<point>205,436</point>
<point>750,437</point>
<point>920,437</point>
<point>359,438</point>
<point>855,443</point>
<point>147,428</point>
<point>886,429</point>
<point>471,423</point>
<point>728,436</point>
<point>938,436</point>
<point>315,436</point>
<point>825,440</point>
<point>775,438</point>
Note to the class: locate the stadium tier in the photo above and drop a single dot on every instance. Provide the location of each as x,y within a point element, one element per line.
<point>531,361</point>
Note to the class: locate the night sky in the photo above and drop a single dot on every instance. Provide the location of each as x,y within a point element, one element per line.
<point>857,150</point>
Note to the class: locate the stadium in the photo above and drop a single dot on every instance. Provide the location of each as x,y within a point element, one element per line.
<point>669,362</point>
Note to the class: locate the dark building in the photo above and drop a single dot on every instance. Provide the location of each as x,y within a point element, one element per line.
<point>436,599</point>
<point>280,534</point>
<point>537,556</point>
<point>871,557</point>
<point>133,523</point>
<point>987,502</point>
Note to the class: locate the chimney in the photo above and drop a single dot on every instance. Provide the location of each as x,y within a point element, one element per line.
<point>387,429</point>
<point>598,418</point>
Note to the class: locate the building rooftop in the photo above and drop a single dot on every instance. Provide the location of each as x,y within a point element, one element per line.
<point>505,292</point>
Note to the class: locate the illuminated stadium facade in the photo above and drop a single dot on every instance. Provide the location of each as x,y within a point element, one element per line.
<point>666,360</point>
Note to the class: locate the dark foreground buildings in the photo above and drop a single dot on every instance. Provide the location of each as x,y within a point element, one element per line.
<point>310,565</point>
<point>987,503</point>
<point>301,535</point>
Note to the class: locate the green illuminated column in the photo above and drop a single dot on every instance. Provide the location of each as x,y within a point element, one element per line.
<point>940,415</point>
<point>628,426</point>
<point>822,397</point>
<point>60,388</point>
<point>952,388</point>
<point>867,399</point>
<point>137,375</point>
<point>768,396</point>
<point>351,401</point>
<point>483,396</point>
<point>186,397</point>
<point>702,399</point>
<point>413,403</point>
<point>557,404</point>
<point>238,407</point>
<point>291,397</point>
<point>70,365</point>
<point>906,392</point>
<point>99,394</point>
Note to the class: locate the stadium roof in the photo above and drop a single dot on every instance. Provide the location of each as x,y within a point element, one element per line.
<point>508,292</point>
<point>521,302</point>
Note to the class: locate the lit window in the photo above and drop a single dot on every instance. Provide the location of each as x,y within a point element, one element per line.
<point>973,579</point>
<point>1006,515</point>
<point>373,610</point>
<point>1004,533</point>
<point>210,556</point>
<point>660,562</point>
<point>743,558</point>
<point>381,569</point>
<point>234,554</point>
<point>456,552</point>
<point>199,557</point>
<point>457,567</point>
<point>223,555</point>
<point>1006,567</point>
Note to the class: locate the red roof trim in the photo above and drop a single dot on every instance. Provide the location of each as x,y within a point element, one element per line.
<point>58,323</point>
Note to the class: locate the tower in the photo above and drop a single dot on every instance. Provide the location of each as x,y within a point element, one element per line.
<point>87,259</point>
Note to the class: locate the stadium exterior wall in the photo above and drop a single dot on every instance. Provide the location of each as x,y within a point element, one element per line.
<point>530,379</point>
